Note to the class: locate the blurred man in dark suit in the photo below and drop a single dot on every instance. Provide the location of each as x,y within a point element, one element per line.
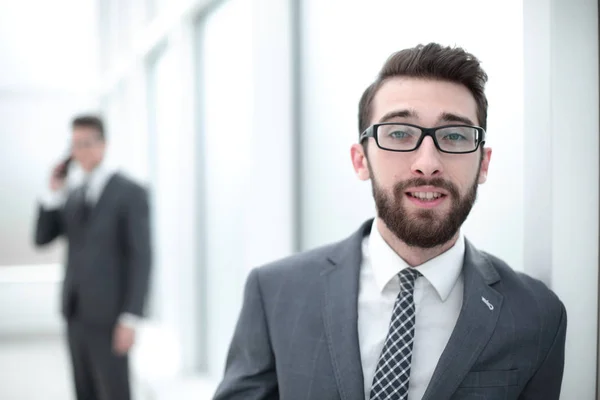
<point>105,221</point>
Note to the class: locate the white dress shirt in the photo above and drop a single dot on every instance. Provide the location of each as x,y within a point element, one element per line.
<point>438,299</point>
<point>96,182</point>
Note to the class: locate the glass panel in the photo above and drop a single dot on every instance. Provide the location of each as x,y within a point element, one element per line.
<point>163,117</point>
<point>225,55</point>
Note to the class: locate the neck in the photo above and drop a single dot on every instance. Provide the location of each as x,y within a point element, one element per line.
<point>92,168</point>
<point>414,256</point>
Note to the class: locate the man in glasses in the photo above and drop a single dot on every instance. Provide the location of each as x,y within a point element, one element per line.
<point>105,221</point>
<point>407,307</point>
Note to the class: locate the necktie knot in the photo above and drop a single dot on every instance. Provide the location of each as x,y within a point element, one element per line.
<point>408,276</point>
<point>85,187</point>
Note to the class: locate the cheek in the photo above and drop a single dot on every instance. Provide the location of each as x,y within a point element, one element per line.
<point>77,154</point>
<point>390,168</point>
<point>386,178</point>
<point>81,155</point>
<point>463,174</point>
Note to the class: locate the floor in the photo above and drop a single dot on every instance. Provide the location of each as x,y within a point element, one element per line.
<point>34,368</point>
<point>38,368</point>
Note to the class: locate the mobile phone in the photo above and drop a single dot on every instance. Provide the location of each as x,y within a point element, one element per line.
<point>64,169</point>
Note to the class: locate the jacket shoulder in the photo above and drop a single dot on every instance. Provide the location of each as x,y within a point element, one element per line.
<point>527,294</point>
<point>305,269</point>
<point>306,263</point>
<point>129,184</point>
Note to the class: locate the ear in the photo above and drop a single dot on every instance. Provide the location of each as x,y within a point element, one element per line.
<point>359,162</point>
<point>485,165</point>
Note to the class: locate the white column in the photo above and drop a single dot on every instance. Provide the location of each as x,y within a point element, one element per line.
<point>246,132</point>
<point>270,202</point>
<point>561,176</point>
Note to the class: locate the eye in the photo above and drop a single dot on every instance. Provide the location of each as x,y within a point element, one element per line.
<point>399,134</point>
<point>453,137</point>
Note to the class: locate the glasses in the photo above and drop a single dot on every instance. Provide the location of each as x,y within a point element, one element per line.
<point>84,144</point>
<point>455,139</point>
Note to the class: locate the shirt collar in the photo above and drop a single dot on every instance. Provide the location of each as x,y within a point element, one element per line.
<point>91,178</point>
<point>96,179</point>
<point>441,271</point>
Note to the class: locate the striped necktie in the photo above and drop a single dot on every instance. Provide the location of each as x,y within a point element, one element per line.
<point>392,374</point>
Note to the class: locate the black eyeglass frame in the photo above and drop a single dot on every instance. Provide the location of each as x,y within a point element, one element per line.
<point>371,131</point>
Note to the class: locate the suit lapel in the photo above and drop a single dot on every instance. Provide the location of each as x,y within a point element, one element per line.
<point>474,327</point>
<point>340,315</point>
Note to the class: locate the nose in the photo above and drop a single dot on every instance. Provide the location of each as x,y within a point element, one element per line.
<point>427,161</point>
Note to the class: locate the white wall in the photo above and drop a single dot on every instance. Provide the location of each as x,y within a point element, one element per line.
<point>561,174</point>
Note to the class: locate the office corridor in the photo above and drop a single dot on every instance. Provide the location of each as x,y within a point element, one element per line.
<point>238,117</point>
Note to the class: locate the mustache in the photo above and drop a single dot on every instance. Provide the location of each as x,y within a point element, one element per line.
<point>440,183</point>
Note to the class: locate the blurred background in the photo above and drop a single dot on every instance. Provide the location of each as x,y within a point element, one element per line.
<point>239,116</point>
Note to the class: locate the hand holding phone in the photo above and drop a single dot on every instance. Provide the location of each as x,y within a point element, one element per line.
<point>59,174</point>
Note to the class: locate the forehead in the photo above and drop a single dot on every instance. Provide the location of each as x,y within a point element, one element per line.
<point>428,99</point>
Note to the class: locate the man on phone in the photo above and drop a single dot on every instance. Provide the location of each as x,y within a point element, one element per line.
<point>105,222</point>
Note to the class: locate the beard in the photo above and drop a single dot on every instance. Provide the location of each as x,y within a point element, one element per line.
<point>425,228</point>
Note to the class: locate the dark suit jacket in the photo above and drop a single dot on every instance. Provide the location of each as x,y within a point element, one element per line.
<point>297,335</point>
<point>108,263</point>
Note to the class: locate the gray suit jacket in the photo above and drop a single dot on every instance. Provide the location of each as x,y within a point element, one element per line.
<point>108,263</point>
<point>297,337</point>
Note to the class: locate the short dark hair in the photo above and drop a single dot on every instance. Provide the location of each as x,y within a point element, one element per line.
<point>431,61</point>
<point>90,121</point>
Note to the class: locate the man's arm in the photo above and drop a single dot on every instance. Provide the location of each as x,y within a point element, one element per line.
<point>136,237</point>
<point>137,248</point>
<point>50,223</point>
<point>250,368</point>
<point>547,381</point>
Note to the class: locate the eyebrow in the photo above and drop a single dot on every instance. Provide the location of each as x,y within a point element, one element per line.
<point>399,114</point>
<point>450,117</point>
<point>408,113</point>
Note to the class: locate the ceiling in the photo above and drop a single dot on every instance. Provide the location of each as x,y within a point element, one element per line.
<point>50,45</point>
